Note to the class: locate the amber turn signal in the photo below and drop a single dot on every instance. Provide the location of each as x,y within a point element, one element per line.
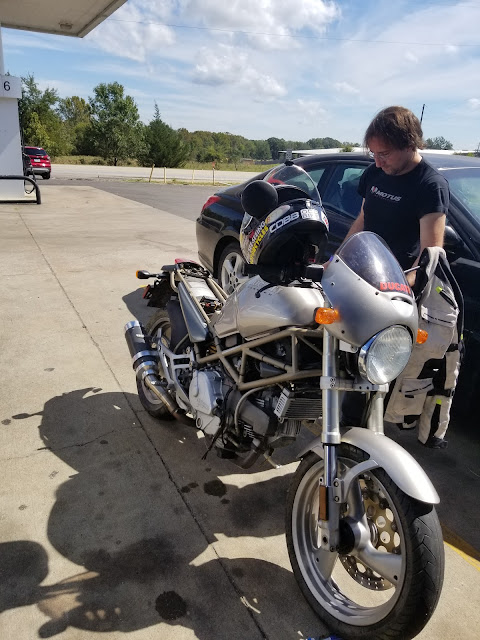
<point>422,336</point>
<point>325,315</point>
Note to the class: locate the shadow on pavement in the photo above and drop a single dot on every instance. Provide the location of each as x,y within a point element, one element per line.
<point>137,306</point>
<point>122,517</point>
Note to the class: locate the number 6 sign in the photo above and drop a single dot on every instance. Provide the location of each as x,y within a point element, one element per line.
<point>10,87</point>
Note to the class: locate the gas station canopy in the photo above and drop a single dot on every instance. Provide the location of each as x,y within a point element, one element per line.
<point>62,17</point>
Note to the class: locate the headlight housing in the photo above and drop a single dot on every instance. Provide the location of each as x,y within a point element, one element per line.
<point>385,356</point>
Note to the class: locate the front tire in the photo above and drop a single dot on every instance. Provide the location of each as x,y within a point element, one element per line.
<point>155,407</point>
<point>352,599</point>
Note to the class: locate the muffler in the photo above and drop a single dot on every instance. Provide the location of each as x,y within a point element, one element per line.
<point>145,364</point>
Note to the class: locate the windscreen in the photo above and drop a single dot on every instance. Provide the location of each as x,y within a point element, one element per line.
<point>294,176</point>
<point>368,256</point>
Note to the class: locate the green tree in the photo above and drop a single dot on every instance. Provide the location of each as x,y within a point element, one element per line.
<point>438,143</point>
<point>75,115</point>
<point>40,123</point>
<point>36,133</point>
<point>115,126</point>
<point>261,150</point>
<point>276,145</point>
<point>73,110</point>
<point>323,143</point>
<point>165,147</point>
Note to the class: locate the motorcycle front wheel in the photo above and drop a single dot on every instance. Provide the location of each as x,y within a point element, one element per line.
<point>385,580</point>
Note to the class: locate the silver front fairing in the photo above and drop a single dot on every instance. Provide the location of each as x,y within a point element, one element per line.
<point>367,286</point>
<point>276,307</point>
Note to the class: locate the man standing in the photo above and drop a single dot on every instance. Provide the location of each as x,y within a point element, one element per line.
<point>405,199</point>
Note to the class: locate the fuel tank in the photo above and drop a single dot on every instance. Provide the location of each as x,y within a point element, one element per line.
<point>275,308</point>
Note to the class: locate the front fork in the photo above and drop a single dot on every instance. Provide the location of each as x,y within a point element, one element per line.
<point>333,490</point>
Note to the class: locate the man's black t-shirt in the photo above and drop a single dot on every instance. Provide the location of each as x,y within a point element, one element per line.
<point>394,205</point>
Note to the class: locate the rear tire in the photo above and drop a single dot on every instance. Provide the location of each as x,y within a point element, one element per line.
<point>46,176</point>
<point>155,407</point>
<point>349,597</point>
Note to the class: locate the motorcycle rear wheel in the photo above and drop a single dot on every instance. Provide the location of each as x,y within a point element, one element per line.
<point>351,598</point>
<point>155,407</point>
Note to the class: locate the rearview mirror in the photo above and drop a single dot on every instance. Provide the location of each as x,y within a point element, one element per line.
<point>452,243</point>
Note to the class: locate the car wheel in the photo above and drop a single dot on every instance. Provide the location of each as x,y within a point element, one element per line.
<point>46,176</point>
<point>230,268</point>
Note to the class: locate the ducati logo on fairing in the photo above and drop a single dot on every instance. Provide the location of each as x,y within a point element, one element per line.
<point>395,286</point>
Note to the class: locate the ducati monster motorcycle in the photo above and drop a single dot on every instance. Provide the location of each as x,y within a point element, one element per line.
<point>252,368</point>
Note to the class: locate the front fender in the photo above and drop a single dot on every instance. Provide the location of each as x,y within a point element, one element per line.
<point>403,469</point>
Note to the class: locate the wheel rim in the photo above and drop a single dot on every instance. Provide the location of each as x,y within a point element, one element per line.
<point>231,272</point>
<point>342,584</point>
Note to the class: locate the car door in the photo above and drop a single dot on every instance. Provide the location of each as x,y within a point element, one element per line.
<point>341,200</point>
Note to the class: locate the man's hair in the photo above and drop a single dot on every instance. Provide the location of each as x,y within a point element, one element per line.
<point>398,126</point>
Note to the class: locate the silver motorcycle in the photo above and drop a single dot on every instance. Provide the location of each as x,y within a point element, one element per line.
<point>251,369</point>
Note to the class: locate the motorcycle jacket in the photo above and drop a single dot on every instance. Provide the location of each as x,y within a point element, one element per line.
<point>425,388</point>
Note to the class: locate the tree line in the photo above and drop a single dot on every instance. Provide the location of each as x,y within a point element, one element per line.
<point>108,125</point>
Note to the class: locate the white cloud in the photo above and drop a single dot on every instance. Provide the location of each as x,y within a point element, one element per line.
<point>264,16</point>
<point>345,87</point>
<point>64,88</point>
<point>474,104</point>
<point>451,49</point>
<point>136,31</point>
<point>226,65</point>
<point>309,112</point>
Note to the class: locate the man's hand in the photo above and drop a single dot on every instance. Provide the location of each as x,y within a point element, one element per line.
<point>411,278</point>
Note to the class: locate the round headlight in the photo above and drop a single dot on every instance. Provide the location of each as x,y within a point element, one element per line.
<point>385,356</point>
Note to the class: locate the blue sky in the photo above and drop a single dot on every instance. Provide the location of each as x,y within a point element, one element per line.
<point>294,69</point>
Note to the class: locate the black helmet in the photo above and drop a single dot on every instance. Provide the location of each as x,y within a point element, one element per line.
<point>284,223</point>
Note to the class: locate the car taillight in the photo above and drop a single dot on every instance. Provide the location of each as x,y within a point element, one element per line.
<point>210,201</point>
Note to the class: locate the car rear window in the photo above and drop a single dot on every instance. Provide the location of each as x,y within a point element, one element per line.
<point>35,152</point>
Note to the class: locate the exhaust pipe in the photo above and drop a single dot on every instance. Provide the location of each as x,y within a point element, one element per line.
<point>145,363</point>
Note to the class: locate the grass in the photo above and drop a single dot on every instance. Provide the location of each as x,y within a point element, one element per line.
<point>219,166</point>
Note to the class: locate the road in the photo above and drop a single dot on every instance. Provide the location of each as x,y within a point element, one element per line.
<point>182,200</point>
<point>85,172</point>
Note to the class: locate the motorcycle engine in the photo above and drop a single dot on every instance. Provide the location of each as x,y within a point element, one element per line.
<point>206,397</point>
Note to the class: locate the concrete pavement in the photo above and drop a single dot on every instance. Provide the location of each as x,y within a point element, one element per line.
<point>111,525</point>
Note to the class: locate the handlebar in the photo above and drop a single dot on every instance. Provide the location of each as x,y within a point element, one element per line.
<point>285,275</point>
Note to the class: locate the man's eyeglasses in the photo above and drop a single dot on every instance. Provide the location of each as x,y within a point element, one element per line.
<point>381,155</point>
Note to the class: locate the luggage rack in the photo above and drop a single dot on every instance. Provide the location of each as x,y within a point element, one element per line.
<point>38,197</point>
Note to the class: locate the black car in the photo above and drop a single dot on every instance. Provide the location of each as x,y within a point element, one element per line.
<point>337,176</point>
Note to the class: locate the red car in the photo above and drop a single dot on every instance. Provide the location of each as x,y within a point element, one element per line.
<point>40,161</point>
